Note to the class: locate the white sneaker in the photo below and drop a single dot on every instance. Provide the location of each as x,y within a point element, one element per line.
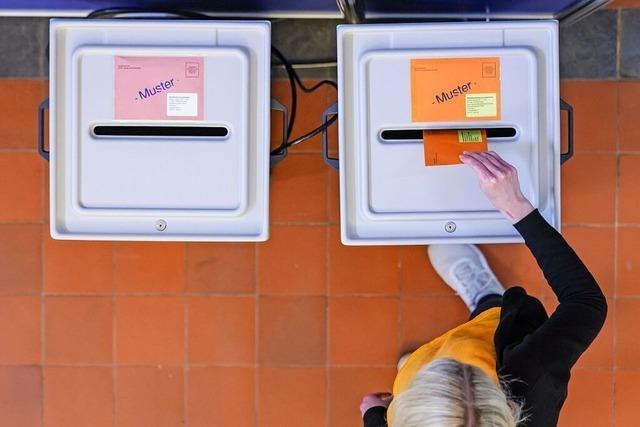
<point>466,271</point>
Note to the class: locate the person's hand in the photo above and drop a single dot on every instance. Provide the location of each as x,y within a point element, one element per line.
<point>499,182</point>
<point>375,399</point>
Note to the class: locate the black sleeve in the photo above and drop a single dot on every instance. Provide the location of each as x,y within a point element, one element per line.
<point>375,417</point>
<point>582,309</point>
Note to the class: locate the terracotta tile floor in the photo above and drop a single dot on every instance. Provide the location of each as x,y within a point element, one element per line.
<point>293,331</point>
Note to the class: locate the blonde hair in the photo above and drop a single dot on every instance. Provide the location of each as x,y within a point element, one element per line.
<point>447,393</point>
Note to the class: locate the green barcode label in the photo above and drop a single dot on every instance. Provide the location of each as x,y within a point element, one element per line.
<point>470,135</point>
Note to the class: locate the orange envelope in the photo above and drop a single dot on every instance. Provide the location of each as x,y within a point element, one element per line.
<point>444,147</point>
<point>455,89</point>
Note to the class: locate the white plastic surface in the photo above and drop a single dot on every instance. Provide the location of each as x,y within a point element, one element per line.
<point>119,188</point>
<point>387,194</point>
<point>160,172</point>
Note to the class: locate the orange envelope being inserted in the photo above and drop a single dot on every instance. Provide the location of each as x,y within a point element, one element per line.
<point>444,147</point>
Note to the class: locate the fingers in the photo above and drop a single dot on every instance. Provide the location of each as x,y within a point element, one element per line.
<point>493,160</point>
<point>375,399</point>
<point>385,397</point>
<point>496,168</point>
<point>471,159</point>
<point>495,156</point>
<point>378,395</point>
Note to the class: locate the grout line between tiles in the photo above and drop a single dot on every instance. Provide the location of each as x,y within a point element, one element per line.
<point>615,246</point>
<point>587,225</point>
<point>144,365</point>
<point>17,150</point>
<point>241,295</point>
<point>224,295</point>
<point>185,355</point>
<point>627,297</point>
<point>399,282</point>
<point>401,297</point>
<point>42,328</point>
<point>591,369</point>
<point>626,225</point>
<point>114,372</point>
<point>216,365</point>
<point>148,294</point>
<point>256,335</point>
<point>327,345</point>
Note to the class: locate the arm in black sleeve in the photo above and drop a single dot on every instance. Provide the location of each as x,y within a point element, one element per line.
<point>375,417</point>
<point>582,309</point>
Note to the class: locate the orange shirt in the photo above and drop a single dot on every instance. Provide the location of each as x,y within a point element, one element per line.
<point>470,343</point>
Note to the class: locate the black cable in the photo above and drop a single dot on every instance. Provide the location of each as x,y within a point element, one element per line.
<point>302,86</point>
<point>291,74</point>
<point>320,128</point>
<point>312,133</point>
<point>110,12</point>
<point>319,84</point>
<point>314,87</point>
<point>294,80</point>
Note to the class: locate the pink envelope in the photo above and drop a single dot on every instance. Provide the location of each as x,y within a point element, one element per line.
<point>159,88</point>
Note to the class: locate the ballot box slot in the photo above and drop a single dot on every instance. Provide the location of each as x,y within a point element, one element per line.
<point>495,134</point>
<point>160,131</point>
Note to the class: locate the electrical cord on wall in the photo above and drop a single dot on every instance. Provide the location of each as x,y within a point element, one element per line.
<point>113,12</point>
<point>292,75</point>
<point>292,88</point>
